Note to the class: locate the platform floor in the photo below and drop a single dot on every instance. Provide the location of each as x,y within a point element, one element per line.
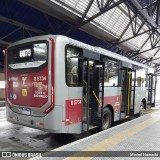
<point>135,139</point>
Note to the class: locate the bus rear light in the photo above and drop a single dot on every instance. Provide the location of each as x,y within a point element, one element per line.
<point>52,95</point>
<point>48,109</point>
<point>52,102</point>
<point>41,124</point>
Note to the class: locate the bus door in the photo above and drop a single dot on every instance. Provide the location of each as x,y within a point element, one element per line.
<point>93,89</point>
<point>128,92</point>
<point>151,88</point>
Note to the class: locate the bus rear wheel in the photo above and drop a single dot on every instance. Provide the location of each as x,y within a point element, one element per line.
<point>141,108</point>
<point>107,117</point>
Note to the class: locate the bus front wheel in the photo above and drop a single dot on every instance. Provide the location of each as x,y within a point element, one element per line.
<point>107,117</point>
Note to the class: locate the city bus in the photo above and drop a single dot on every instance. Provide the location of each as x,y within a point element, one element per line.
<point>60,85</point>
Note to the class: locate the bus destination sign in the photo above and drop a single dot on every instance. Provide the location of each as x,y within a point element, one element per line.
<point>25,53</point>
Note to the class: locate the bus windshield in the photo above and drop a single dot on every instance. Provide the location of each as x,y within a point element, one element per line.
<point>26,56</point>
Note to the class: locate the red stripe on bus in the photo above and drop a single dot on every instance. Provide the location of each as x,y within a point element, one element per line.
<point>73,111</point>
<point>114,101</point>
<point>73,107</point>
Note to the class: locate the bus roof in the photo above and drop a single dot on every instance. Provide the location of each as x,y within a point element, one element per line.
<point>84,46</point>
<point>105,52</point>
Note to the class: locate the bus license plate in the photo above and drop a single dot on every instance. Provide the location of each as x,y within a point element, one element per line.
<point>26,111</point>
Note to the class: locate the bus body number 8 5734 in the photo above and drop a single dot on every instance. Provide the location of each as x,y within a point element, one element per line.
<point>25,53</point>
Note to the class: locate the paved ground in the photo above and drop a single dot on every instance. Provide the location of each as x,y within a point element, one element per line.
<point>134,140</point>
<point>18,138</point>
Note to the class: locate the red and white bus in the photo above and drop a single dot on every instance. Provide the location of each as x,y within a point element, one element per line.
<point>60,85</point>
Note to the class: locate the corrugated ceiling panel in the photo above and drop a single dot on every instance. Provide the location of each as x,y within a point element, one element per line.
<point>149,54</point>
<point>114,21</point>
<point>93,10</point>
<point>139,41</point>
<point>147,45</point>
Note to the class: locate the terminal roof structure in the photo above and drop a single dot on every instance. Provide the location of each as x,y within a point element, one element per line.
<point>127,27</point>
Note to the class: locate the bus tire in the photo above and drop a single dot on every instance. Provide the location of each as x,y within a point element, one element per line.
<point>107,118</point>
<point>141,109</point>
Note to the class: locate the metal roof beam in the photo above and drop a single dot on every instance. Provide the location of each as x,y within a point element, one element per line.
<point>139,51</point>
<point>158,13</point>
<point>22,25</point>
<point>135,28</point>
<point>157,65</point>
<point>153,59</point>
<point>149,5</point>
<point>73,28</point>
<point>4,43</point>
<point>87,9</point>
<point>156,52</point>
<point>82,21</point>
<point>152,7</point>
<point>157,72</point>
<point>55,10</point>
<point>148,50</point>
<point>142,12</point>
<point>133,37</point>
<point>17,29</point>
<point>154,38</point>
<point>118,42</point>
<point>103,10</point>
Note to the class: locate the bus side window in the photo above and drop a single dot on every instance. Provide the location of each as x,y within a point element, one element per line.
<point>111,73</point>
<point>72,66</point>
<point>140,78</point>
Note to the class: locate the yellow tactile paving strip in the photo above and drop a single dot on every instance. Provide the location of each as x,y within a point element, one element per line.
<point>105,144</point>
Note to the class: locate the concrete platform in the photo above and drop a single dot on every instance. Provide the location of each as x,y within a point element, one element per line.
<point>136,139</point>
